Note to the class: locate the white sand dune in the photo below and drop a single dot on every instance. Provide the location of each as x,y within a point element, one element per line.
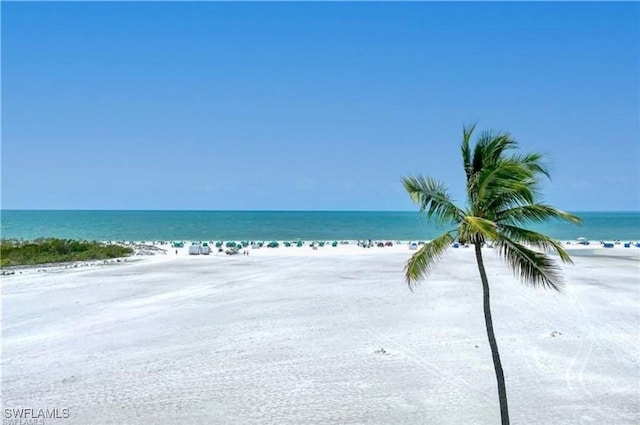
<point>294,336</point>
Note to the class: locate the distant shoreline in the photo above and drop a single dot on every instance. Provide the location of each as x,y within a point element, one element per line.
<point>156,251</point>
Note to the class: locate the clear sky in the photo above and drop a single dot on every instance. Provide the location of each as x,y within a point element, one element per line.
<point>310,106</point>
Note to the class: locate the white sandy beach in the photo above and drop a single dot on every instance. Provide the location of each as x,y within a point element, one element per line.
<point>294,336</point>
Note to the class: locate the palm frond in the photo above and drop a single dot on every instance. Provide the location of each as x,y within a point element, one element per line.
<point>490,148</point>
<point>421,263</point>
<point>467,131</point>
<point>534,213</point>
<point>534,268</point>
<point>505,182</point>
<point>534,162</point>
<point>477,229</point>
<point>535,239</point>
<point>433,199</point>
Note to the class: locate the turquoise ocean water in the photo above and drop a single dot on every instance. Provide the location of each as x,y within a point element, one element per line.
<point>267,225</point>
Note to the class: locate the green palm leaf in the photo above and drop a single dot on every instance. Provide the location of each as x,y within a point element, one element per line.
<point>433,199</point>
<point>506,182</point>
<point>477,229</point>
<point>534,162</point>
<point>467,131</point>
<point>532,267</point>
<point>534,213</point>
<point>490,148</point>
<point>421,263</point>
<point>535,239</point>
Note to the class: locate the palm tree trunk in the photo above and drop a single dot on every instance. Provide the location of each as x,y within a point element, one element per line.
<point>497,365</point>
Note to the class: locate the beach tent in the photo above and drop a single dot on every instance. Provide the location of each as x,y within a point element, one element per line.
<point>583,241</point>
<point>194,249</point>
<point>177,244</point>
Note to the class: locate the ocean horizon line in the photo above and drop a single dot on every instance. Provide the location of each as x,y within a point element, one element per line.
<point>268,210</point>
<point>277,224</point>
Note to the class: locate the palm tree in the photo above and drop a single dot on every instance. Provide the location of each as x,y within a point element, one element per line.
<point>502,188</point>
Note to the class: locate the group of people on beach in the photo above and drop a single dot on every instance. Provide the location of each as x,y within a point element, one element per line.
<point>365,244</point>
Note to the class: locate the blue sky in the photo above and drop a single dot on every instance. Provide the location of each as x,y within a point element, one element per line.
<point>310,106</point>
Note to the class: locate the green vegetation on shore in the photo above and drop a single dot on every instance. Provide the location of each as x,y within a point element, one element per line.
<point>51,250</point>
